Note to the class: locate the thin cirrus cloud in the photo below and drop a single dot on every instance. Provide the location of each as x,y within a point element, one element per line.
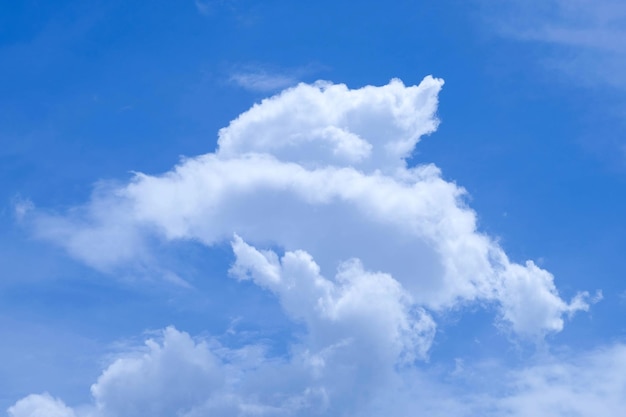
<point>263,78</point>
<point>589,37</point>
<point>262,81</point>
<point>312,190</point>
<point>209,7</point>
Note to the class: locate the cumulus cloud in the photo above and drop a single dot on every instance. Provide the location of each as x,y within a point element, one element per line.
<point>162,380</point>
<point>370,310</point>
<point>324,124</point>
<point>175,374</point>
<point>322,168</point>
<point>43,405</point>
<point>313,191</point>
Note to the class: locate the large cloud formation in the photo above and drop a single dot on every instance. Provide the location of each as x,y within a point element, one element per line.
<point>175,375</point>
<point>313,191</point>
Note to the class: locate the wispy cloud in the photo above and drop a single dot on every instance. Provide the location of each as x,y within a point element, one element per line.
<point>265,78</point>
<point>589,36</point>
<point>208,7</point>
<point>203,7</point>
<point>263,81</point>
<point>243,15</point>
<point>21,207</point>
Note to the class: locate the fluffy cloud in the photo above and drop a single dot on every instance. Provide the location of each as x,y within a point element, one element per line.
<point>321,168</point>
<point>370,310</point>
<point>43,405</point>
<point>161,380</point>
<point>372,128</point>
<point>313,191</point>
<point>173,374</point>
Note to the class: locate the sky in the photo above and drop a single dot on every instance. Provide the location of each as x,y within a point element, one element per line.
<point>245,208</point>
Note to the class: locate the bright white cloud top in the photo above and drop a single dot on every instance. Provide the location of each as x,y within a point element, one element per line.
<point>313,191</point>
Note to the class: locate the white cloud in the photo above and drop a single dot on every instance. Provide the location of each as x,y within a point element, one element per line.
<point>591,384</point>
<point>100,234</point>
<point>43,405</point>
<point>324,124</point>
<point>277,178</point>
<point>161,380</point>
<point>370,310</point>
<point>173,374</point>
<point>364,250</point>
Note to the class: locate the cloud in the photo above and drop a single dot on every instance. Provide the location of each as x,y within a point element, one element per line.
<point>160,380</point>
<point>43,405</point>
<point>590,384</point>
<point>175,374</point>
<point>589,36</point>
<point>269,79</point>
<point>321,168</point>
<point>366,309</point>
<point>209,7</point>
<point>100,234</point>
<point>312,189</point>
<point>263,81</point>
<point>21,207</point>
<point>203,7</point>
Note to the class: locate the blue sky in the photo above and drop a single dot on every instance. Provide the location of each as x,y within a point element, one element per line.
<point>343,249</point>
